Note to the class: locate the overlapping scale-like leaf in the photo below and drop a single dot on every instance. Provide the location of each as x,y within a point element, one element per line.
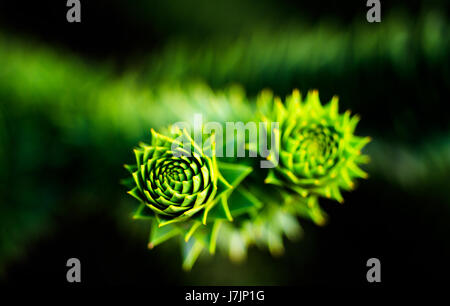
<point>173,179</point>
<point>317,149</point>
<point>185,191</point>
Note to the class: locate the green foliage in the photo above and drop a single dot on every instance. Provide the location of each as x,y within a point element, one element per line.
<point>174,186</point>
<point>184,191</point>
<point>187,192</point>
<point>318,155</point>
<point>58,109</point>
<point>318,151</point>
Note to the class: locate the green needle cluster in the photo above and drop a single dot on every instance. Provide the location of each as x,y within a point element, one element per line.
<point>318,151</point>
<point>174,184</point>
<point>185,191</point>
<point>232,203</point>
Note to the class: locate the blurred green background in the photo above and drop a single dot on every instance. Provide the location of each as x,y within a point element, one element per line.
<point>75,99</point>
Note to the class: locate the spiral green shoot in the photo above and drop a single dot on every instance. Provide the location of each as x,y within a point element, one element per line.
<point>185,191</point>
<point>318,151</point>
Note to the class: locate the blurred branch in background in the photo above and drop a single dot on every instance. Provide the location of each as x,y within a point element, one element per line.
<point>295,52</point>
<point>349,62</point>
<point>346,60</point>
<point>423,170</point>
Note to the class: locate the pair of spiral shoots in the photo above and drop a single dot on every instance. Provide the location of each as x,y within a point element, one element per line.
<point>234,205</point>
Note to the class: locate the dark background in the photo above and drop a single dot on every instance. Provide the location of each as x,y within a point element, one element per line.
<point>61,198</point>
